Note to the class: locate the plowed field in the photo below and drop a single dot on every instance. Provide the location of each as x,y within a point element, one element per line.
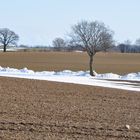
<point>41,110</point>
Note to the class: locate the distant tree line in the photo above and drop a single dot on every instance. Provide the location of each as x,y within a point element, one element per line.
<point>127,47</point>
<point>59,44</point>
<point>9,38</point>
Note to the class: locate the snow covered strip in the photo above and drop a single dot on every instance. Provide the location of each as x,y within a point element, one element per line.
<point>79,77</point>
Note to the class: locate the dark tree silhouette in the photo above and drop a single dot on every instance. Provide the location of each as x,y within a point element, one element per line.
<point>7,37</point>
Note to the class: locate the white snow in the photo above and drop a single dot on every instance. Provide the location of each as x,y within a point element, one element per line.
<point>109,80</point>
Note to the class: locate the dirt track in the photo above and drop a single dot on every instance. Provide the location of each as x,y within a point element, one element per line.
<point>31,109</point>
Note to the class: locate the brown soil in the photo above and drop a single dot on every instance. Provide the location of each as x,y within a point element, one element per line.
<point>103,62</point>
<point>41,110</point>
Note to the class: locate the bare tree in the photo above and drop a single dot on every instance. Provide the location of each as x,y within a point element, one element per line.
<point>7,37</point>
<point>58,44</point>
<point>92,37</point>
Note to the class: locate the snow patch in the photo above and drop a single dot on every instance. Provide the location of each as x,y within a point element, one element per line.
<point>25,70</point>
<point>108,76</point>
<point>79,77</point>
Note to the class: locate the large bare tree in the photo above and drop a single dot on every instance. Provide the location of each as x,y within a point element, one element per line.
<point>7,37</point>
<point>92,37</point>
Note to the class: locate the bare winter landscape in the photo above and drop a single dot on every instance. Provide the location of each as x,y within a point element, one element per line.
<point>69,70</point>
<point>36,109</point>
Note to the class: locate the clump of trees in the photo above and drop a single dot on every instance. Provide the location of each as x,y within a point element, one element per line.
<point>8,37</point>
<point>59,44</point>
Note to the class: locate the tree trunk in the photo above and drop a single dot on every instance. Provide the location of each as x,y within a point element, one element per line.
<point>4,48</point>
<point>90,66</point>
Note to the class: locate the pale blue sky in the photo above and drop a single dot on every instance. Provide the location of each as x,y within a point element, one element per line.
<point>38,22</point>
